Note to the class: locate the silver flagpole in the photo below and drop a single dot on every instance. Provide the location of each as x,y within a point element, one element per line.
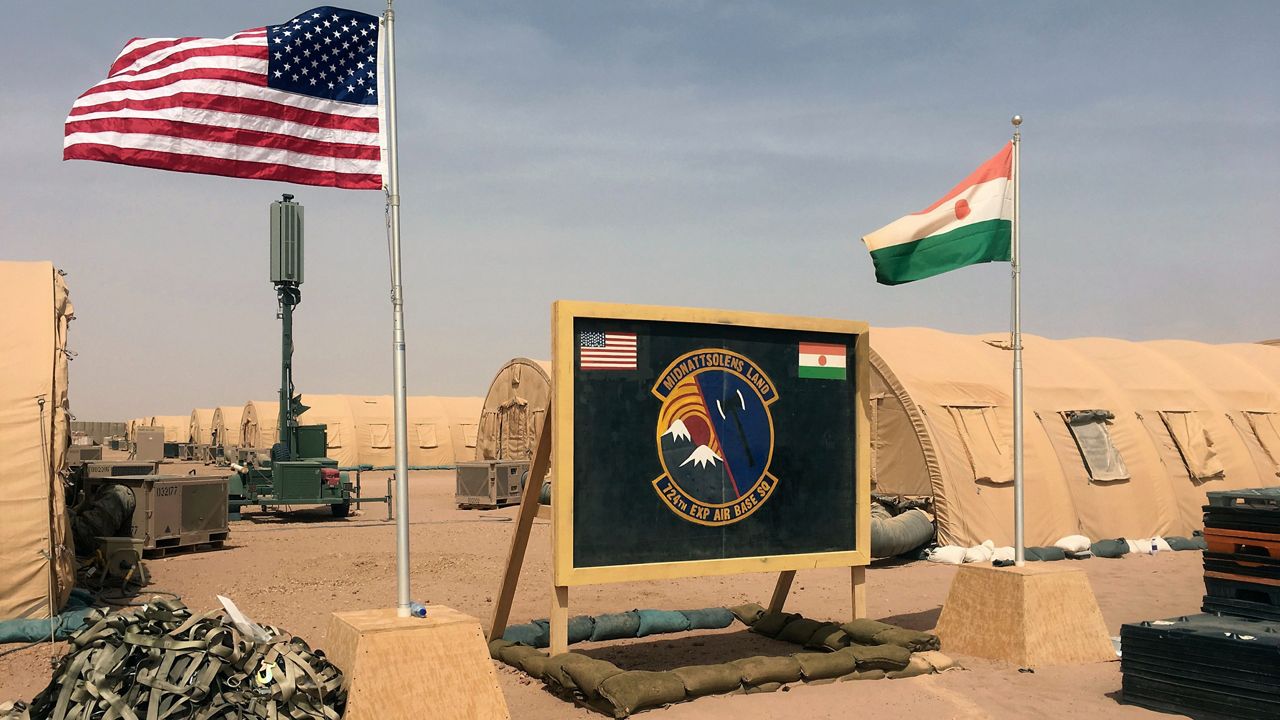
<point>1019,552</point>
<point>397,328</point>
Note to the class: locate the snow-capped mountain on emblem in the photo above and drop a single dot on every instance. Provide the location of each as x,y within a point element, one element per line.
<point>678,431</point>
<point>702,457</point>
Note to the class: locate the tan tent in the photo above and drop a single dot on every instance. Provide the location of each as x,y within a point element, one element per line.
<point>34,434</point>
<point>514,409</point>
<point>175,427</point>
<point>201,426</point>
<point>361,431</point>
<point>1121,438</point>
<point>258,424</point>
<point>226,425</point>
<point>136,423</point>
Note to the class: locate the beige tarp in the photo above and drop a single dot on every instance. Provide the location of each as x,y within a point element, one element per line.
<point>1185,418</point>
<point>33,440</point>
<point>201,426</point>
<point>361,429</point>
<point>226,425</point>
<point>258,423</point>
<point>175,427</point>
<point>136,423</point>
<point>514,409</point>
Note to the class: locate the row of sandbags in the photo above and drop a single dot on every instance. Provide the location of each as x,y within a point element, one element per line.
<point>1075,547</point>
<point>861,650</point>
<point>618,626</point>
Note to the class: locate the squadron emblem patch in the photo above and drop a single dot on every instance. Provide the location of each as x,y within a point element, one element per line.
<point>714,436</point>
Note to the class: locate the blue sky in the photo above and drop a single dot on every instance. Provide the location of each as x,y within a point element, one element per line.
<point>677,153</point>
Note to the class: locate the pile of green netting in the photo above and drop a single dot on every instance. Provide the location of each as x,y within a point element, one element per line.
<point>161,661</point>
<point>858,650</point>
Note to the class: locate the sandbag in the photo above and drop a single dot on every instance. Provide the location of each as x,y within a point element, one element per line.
<point>771,623</point>
<point>555,672</point>
<point>1044,554</point>
<point>980,553</point>
<point>531,634</point>
<point>654,622</point>
<point>1185,543</point>
<point>799,631</point>
<point>708,618</point>
<point>635,690</point>
<point>828,637</point>
<point>1116,548</point>
<point>513,654</point>
<point>864,675</point>
<point>864,630</point>
<point>820,666</point>
<point>940,662</point>
<point>615,626</point>
<point>763,688</point>
<point>1004,554</point>
<point>535,664</point>
<point>879,657</point>
<point>916,665</point>
<point>763,669</point>
<point>894,535</point>
<point>747,613</point>
<point>1073,543</point>
<point>947,554</point>
<point>913,640</point>
<point>587,676</point>
<point>495,646</point>
<point>702,680</point>
<point>581,628</point>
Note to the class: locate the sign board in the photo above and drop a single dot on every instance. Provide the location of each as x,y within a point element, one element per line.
<point>691,442</point>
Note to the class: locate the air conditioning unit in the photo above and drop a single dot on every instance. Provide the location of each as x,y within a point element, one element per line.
<point>490,484</point>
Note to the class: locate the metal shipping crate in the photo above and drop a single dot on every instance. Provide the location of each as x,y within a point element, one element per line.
<point>176,511</point>
<point>490,484</point>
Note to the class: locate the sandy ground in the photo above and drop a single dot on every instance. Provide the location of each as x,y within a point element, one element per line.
<point>292,571</point>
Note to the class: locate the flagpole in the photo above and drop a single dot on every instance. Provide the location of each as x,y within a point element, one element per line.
<point>397,323</point>
<point>1019,552</point>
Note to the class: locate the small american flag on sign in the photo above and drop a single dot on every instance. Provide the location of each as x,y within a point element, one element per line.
<point>606,350</point>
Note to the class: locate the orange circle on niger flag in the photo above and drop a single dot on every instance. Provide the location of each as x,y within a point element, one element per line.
<point>822,359</point>
<point>962,209</point>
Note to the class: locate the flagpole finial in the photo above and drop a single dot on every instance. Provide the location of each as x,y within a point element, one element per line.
<point>1017,120</point>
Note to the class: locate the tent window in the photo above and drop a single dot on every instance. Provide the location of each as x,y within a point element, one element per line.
<point>427,435</point>
<point>469,435</point>
<point>1194,444</point>
<point>1266,427</point>
<point>380,435</point>
<point>1093,440</point>
<point>334,433</point>
<point>989,457</point>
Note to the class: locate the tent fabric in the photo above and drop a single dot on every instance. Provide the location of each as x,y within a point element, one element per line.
<point>176,427</point>
<point>513,410</point>
<point>200,429</point>
<point>1186,418</point>
<point>33,440</point>
<point>226,425</point>
<point>258,422</point>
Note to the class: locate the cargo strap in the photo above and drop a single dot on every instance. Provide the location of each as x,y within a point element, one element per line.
<point>162,662</point>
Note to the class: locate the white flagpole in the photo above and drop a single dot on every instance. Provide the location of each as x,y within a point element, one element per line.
<point>1019,552</point>
<point>403,599</point>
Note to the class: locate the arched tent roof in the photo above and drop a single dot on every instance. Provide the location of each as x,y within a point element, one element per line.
<point>361,429</point>
<point>200,429</point>
<point>1187,418</point>
<point>226,423</point>
<point>175,426</point>
<point>258,424</point>
<point>513,410</point>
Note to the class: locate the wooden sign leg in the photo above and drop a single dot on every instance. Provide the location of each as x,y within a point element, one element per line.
<point>781,589</point>
<point>560,620</point>
<point>858,578</point>
<point>524,524</point>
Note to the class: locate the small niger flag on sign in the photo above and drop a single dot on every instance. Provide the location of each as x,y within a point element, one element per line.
<point>819,360</point>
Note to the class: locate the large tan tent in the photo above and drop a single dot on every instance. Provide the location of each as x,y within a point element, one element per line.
<point>201,426</point>
<point>37,565</point>
<point>226,426</point>
<point>361,431</point>
<point>1122,439</point>
<point>514,409</point>
<point>175,427</point>
<point>258,424</point>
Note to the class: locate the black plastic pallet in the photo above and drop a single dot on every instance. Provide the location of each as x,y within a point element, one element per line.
<point>1262,521</point>
<point>1235,589</point>
<point>1240,608</point>
<point>1250,569</point>
<point>1192,701</point>
<point>1253,497</point>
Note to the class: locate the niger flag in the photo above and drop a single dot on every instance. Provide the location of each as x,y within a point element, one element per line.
<point>971,224</point>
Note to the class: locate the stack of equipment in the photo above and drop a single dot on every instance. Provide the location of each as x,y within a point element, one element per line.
<point>1242,563</point>
<point>1203,666</point>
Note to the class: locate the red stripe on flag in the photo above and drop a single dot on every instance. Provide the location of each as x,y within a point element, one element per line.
<point>999,166</point>
<point>124,60</point>
<point>233,136</point>
<point>249,78</point>
<point>218,166</point>
<point>822,349</point>
<point>243,106</point>
<point>247,51</point>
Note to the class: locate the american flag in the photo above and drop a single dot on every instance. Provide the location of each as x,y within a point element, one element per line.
<point>606,351</point>
<point>295,102</point>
